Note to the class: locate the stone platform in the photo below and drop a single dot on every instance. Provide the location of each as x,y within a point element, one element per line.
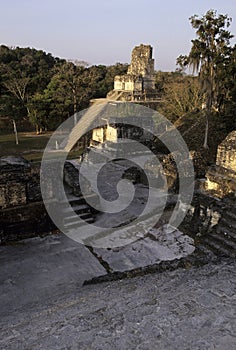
<point>43,305</point>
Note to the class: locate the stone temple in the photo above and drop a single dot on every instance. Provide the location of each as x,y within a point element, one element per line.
<point>139,82</point>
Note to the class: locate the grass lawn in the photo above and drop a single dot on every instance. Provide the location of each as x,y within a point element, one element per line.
<point>31,146</point>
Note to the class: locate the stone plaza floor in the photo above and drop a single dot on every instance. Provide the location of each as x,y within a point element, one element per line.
<point>44,304</point>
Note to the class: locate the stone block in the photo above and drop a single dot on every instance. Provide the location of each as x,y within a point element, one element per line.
<point>221,178</point>
<point>226,153</point>
<point>12,194</point>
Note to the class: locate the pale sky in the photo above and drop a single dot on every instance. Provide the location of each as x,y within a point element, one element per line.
<point>105,31</point>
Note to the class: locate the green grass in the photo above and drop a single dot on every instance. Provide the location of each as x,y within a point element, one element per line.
<point>31,146</point>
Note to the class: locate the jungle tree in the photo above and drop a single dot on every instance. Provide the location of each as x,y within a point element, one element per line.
<point>209,57</point>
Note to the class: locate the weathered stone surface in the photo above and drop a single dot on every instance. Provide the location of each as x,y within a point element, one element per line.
<point>142,62</point>
<point>226,153</point>
<point>139,82</point>
<point>13,160</point>
<point>24,221</point>
<point>12,194</point>
<point>39,268</point>
<point>212,217</point>
<point>199,163</point>
<point>212,223</point>
<point>221,179</point>
<point>14,174</point>
<point>51,175</point>
<point>203,214</point>
<point>33,186</point>
<point>183,309</point>
<point>174,165</point>
<point>22,212</point>
<point>170,171</point>
<point>163,244</point>
<point>71,177</point>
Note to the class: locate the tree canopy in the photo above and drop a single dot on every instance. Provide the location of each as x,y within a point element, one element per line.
<point>45,90</point>
<point>211,56</point>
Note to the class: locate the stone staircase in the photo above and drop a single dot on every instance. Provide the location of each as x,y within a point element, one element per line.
<point>114,95</point>
<point>82,211</point>
<point>222,240</point>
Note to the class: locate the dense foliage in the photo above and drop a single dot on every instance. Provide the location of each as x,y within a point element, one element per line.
<point>213,58</point>
<point>45,90</point>
<point>180,94</point>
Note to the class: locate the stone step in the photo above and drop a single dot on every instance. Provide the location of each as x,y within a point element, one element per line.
<point>78,224</point>
<point>71,197</point>
<point>74,218</point>
<point>207,251</point>
<point>230,214</point>
<point>217,248</point>
<point>79,209</point>
<point>226,231</point>
<point>78,201</point>
<point>227,243</point>
<point>228,223</point>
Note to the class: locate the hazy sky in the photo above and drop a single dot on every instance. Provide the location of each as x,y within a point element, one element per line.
<point>105,31</point>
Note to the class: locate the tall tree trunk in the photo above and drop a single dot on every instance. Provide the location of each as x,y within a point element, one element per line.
<point>205,144</point>
<point>75,106</point>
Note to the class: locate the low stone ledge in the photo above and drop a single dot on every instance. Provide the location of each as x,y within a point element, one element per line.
<point>24,221</point>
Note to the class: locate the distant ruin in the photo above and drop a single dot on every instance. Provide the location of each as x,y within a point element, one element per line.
<point>139,82</point>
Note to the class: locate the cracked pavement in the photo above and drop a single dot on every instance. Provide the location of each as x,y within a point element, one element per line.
<point>183,309</point>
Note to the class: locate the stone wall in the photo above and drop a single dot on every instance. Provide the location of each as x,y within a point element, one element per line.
<point>226,152</point>
<point>212,223</point>
<point>211,218</point>
<point>221,178</point>
<point>22,212</point>
<point>203,215</point>
<point>13,182</point>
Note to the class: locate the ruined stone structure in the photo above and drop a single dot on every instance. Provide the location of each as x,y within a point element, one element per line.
<point>142,65</point>
<point>139,82</point>
<point>212,216</point>
<point>22,212</point>
<point>111,133</point>
<point>221,178</point>
<point>226,153</point>
<point>119,124</point>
